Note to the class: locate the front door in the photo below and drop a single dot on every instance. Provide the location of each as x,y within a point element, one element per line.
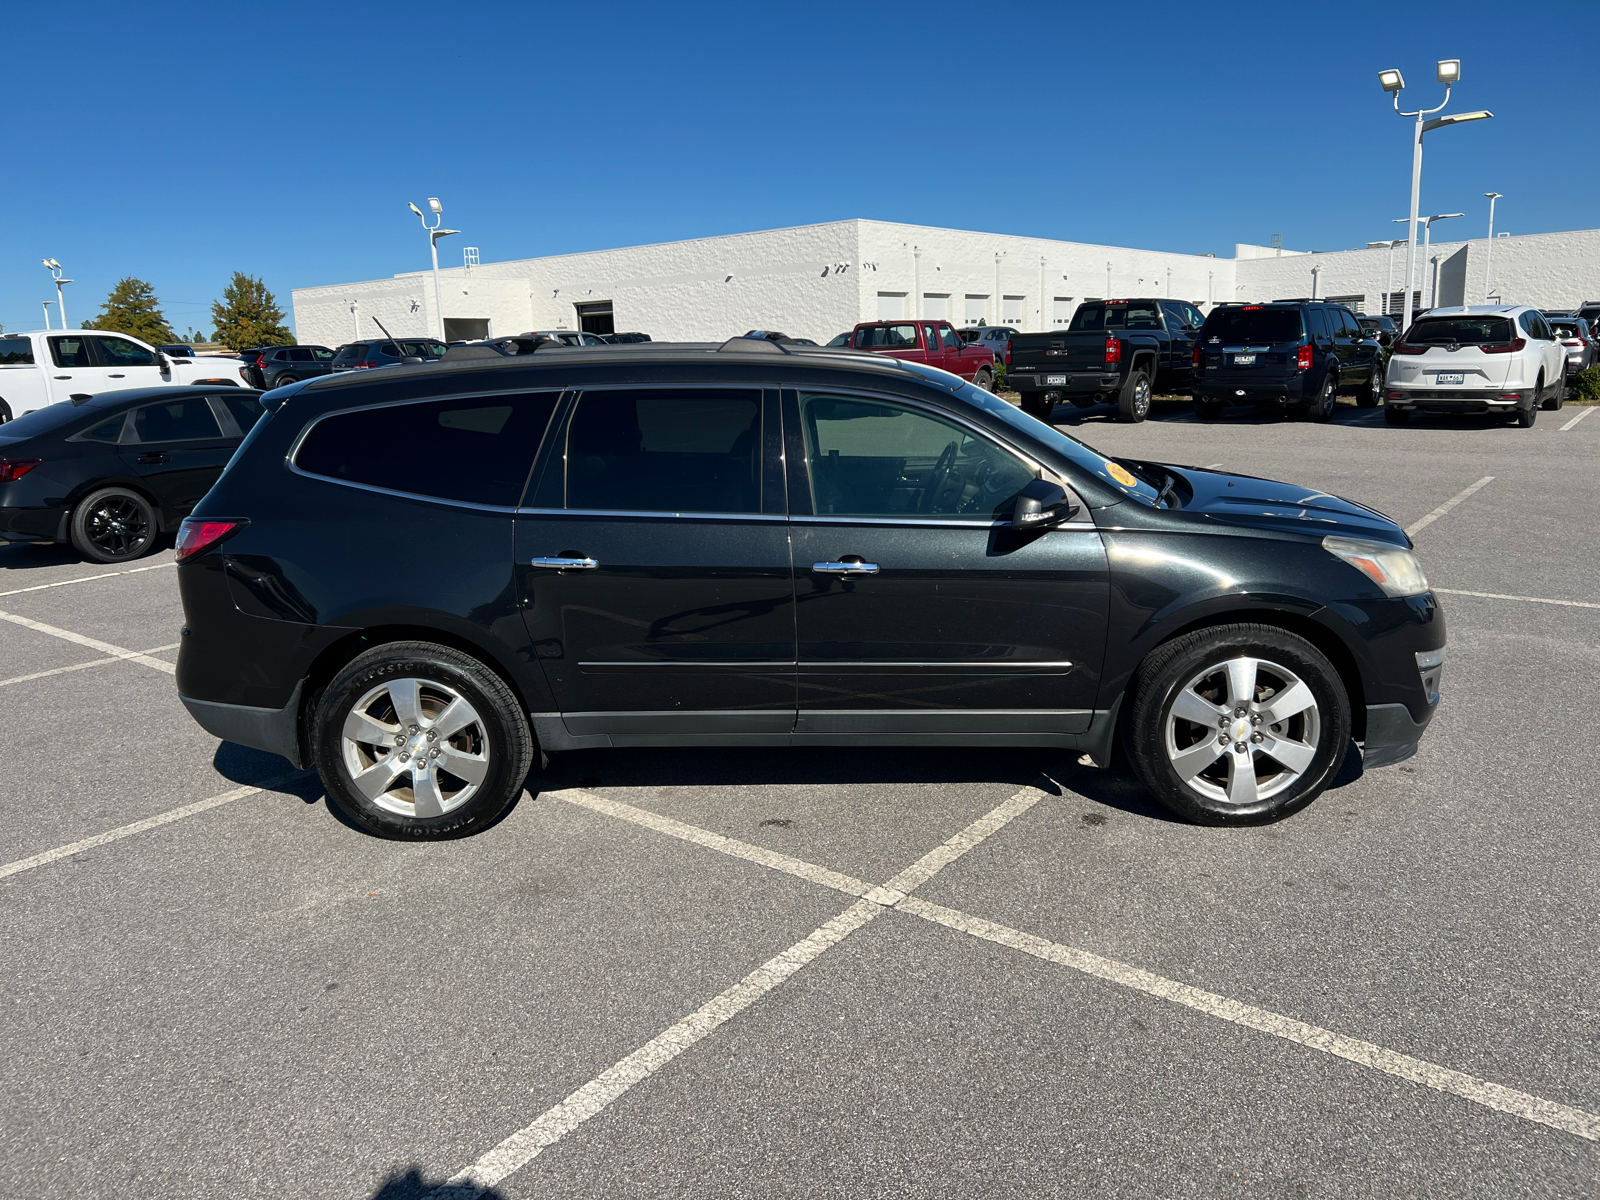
<point>178,452</point>
<point>653,564</point>
<point>917,610</point>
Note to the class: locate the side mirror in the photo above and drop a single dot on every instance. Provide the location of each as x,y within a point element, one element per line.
<point>413,359</point>
<point>164,361</point>
<point>1042,504</point>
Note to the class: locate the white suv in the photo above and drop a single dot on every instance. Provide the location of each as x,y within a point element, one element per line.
<point>1481,358</point>
<point>44,367</point>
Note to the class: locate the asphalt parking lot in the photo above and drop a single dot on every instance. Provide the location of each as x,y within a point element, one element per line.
<point>860,973</point>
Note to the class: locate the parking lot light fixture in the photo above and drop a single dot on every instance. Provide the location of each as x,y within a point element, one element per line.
<point>1448,73</point>
<point>47,304</point>
<point>56,273</point>
<point>434,234</point>
<point>1488,254</point>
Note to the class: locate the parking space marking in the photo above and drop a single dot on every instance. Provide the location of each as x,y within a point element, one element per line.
<point>555,1123</point>
<point>1448,505</point>
<point>155,822</point>
<point>1575,420</point>
<point>39,587</point>
<point>99,662</point>
<point>1524,599</point>
<point>1365,1054</point>
<point>137,656</point>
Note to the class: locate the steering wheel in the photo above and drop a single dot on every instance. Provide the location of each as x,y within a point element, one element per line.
<point>939,477</point>
<point>987,479</point>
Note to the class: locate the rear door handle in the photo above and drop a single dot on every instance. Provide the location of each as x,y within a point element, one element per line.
<point>565,564</point>
<point>156,457</point>
<point>118,377</point>
<point>855,567</point>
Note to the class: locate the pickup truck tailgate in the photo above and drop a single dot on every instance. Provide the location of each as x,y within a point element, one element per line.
<point>1058,351</point>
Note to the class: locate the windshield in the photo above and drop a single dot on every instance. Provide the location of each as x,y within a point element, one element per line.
<point>1253,324</point>
<point>1459,331</point>
<point>1126,314</point>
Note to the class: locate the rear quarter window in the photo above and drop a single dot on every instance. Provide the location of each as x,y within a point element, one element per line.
<point>479,450</point>
<point>16,352</point>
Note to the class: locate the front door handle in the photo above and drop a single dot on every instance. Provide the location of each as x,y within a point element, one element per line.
<point>849,566</point>
<point>565,564</point>
<point>118,377</point>
<point>154,457</point>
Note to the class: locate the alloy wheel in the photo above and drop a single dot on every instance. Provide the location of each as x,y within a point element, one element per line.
<point>1242,731</point>
<point>1141,397</point>
<point>415,747</point>
<point>118,527</point>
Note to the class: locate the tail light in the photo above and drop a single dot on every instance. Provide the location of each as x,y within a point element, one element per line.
<point>1196,360</point>
<point>1404,348</point>
<point>1113,350</point>
<point>1302,358</point>
<point>261,360</point>
<point>365,364</point>
<point>13,469</point>
<point>1577,344</point>
<point>1505,348</point>
<point>1008,356</point>
<point>197,535</point>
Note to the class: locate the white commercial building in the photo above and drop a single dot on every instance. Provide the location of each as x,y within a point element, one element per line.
<point>819,280</point>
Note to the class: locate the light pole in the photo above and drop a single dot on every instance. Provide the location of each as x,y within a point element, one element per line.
<point>47,304</point>
<point>434,234</point>
<point>1388,279</point>
<point>1447,72</point>
<point>1427,242</point>
<point>55,270</point>
<point>1488,255</point>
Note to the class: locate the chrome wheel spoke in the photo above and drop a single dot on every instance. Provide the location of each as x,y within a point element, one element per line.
<point>1296,756</point>
<point>379,777</point>
<point>428,802</point>
<point>1241,777</point>
<point>1189,763</point>
<point>359,727</point>
<point>1193,707</point>
<point>1241,681</point>
<point>1287,703</point>
<point>457,715</point>
<point>471,767</point>
<point>405,695</point>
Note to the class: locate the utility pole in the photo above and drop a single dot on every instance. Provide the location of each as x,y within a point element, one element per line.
<point>434,234</point>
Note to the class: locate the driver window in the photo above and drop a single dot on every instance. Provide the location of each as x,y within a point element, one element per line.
<point>951,341</point>
<point>873,458</point>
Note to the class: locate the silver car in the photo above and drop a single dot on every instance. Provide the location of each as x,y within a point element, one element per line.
<point>1577,339</point>
<point>990,337</point>
<point>568,337</point>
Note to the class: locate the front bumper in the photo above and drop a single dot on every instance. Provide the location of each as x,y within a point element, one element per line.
<point>1392,735</point>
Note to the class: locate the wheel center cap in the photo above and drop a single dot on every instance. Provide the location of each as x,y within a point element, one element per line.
<point>1241,730</point>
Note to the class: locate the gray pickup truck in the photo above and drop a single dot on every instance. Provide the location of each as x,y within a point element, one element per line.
<point>1119,350</point>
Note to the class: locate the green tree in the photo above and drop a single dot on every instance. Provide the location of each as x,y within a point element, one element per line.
<point>132,308</point>
<point>248,315</point>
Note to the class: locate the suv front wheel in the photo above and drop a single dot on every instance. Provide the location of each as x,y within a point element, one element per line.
<point>417,740</point>
<point>1237,724</point>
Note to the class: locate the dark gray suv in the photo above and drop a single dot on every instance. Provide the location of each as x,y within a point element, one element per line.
<point>387,352</point>
<point>275,366</point>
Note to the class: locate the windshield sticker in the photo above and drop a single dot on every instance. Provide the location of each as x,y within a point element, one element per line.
<point>1122,475</point>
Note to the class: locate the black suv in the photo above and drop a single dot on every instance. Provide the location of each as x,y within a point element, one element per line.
<point>420,579</point>
<point>1292,354</point>
<point>278,366</point>
<point>387,352</point>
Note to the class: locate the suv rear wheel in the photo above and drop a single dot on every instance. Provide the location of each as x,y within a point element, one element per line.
<point>417,740</point>
<point>1237,724</point>
<point>1321,408</point>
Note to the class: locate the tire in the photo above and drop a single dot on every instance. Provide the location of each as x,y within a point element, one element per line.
<point>984,378</point>
<point>1396,416</point>
<point>1207,410</point>
<point>1554,402</point>
<point>1133,402</point>
<point>1035,405</point>
<point>284,381</point>
<point>1321,408</point>
<point>1208,676</point>
<point>485,760</point>
<point>1371,391</point>
<point>5,412</point>
<point>1527,416</point>
<point>114,525</point>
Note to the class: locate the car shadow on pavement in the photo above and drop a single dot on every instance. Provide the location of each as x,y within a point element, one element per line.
<point>413,1184</point>
<point>271,772</point>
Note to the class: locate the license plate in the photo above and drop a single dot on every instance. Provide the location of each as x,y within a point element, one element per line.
<point>1452,378</point>
<point>1244,360</point>
<point>1055,381</point>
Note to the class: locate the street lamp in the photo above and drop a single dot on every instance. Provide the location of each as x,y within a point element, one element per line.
<point>1427,242</point>
<point>1388,278</point>
<point>1447,72</point>
<point>434,234</point>
<point>47,304</point>
<point>55,270</point>
<point>1488,255</point>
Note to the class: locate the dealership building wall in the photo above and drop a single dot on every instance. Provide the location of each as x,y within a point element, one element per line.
<point>818,280</point>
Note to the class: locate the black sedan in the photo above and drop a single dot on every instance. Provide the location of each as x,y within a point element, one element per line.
<point>770,545</point>
<point>111,473</point>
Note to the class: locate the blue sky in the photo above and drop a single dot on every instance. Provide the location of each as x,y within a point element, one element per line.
<point>285,140</point>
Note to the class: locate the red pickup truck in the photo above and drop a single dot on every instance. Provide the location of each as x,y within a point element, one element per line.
<point>935,343</point>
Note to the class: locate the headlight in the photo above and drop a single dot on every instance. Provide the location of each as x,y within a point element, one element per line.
<point>1392,568</point>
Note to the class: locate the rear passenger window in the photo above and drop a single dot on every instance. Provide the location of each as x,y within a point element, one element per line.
<point>477,451</point>
<point>71,352</point>
<point>1316,322</point>
<point>246,410</point>
<point>185,420</point>
<point>298,354</point>
<point>15,352</point>
<point>666,452</point>
<point>106,431</point>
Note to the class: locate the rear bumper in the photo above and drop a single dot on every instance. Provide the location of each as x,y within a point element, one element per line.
<point>31,524</point>
<point>1288,389</point>
<point>275,730</point>
<point>1459,399</point>
<point>1077,383</point>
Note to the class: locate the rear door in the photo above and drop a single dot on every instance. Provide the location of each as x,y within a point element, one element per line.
<point>22,377</point>
<point>321,360</point>
<point>653,565</point>
<point>178,449</point>
<point>74,369</point>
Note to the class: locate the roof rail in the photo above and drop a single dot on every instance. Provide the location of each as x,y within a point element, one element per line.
<point>751,345</point>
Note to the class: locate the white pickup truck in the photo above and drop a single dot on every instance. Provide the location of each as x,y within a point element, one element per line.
<point>46,366</point>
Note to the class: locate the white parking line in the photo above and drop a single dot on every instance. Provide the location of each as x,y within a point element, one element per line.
<point>1448,505</point>
<point>125,831</point>
<point>1367,1054</point>
<point>99,662</point>
<point>39,587</point>
<point>1575,420</point>
<point>1524,599</point>
<point>137,656</point>
<point>555,1123</point>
